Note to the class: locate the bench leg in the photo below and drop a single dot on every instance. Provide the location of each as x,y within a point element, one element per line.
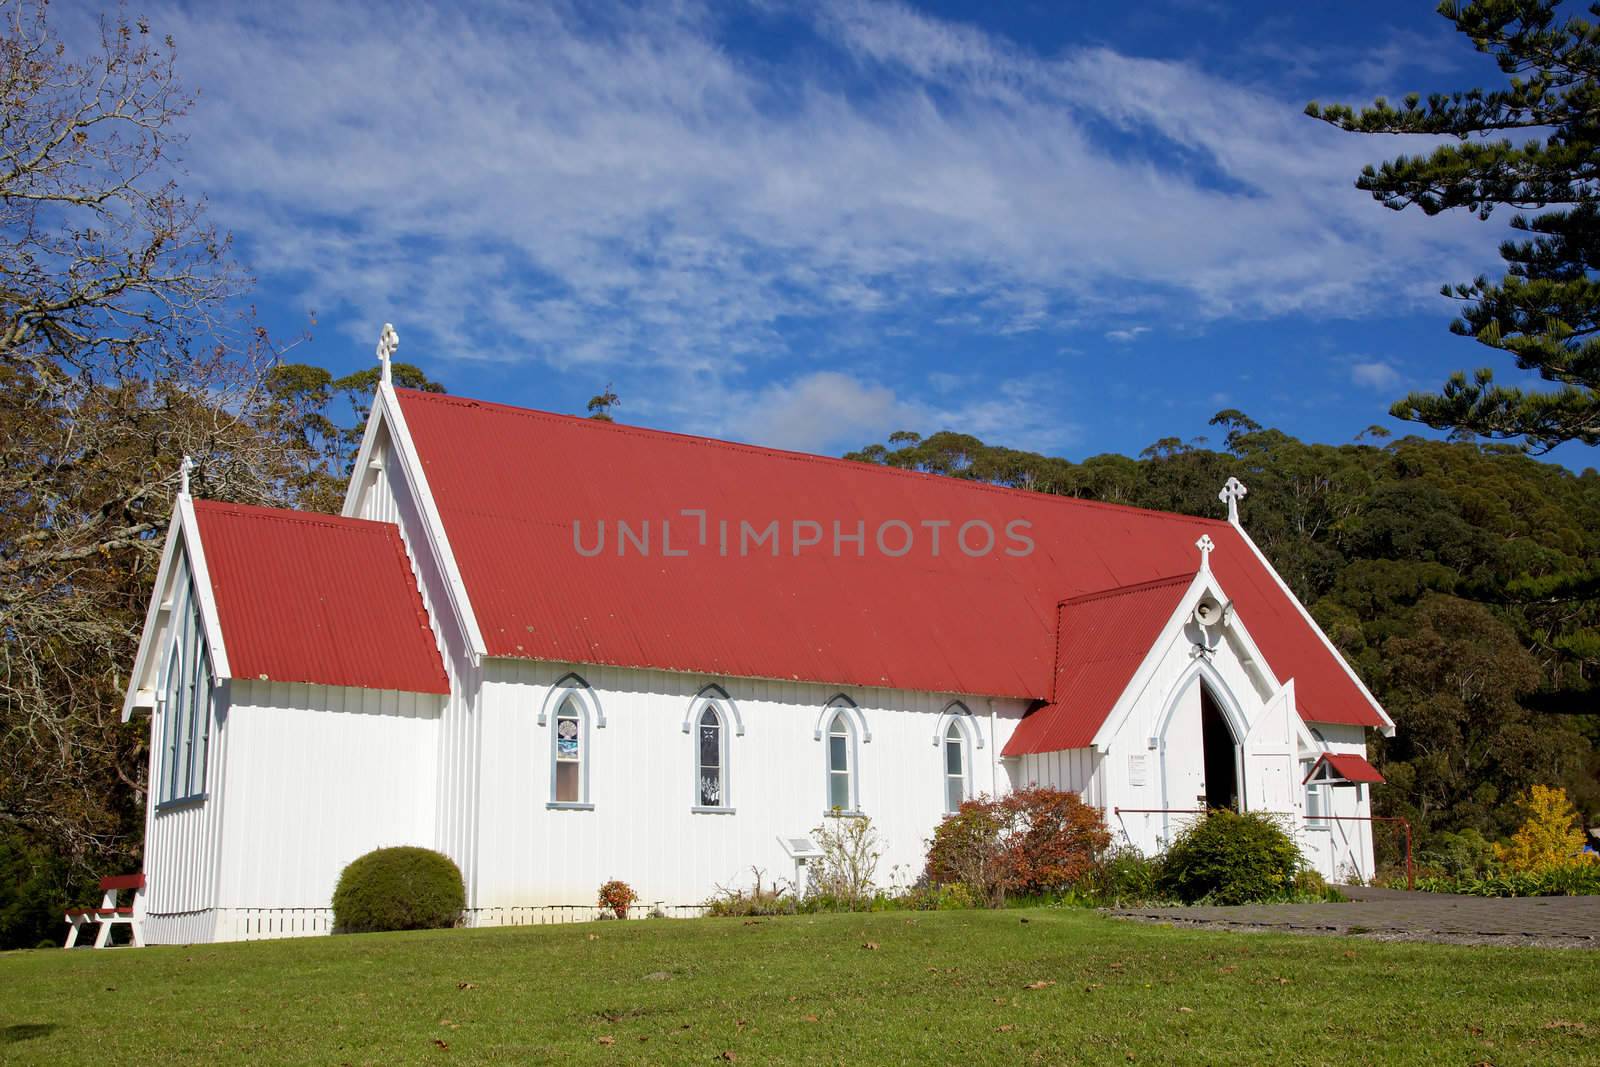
<point>103,936</point>
<point>136,929</point>
<point>73,925</point>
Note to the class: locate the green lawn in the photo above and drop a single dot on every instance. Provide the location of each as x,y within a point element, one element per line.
<point>1045,986</point>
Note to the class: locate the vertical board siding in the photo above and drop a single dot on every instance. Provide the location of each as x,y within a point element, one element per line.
<point>181,840</point>
<point>642,780</point>
<point>390,497</point>
<point>319,776</point>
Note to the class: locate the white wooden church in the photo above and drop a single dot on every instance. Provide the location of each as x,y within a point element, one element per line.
<point>563,651</point>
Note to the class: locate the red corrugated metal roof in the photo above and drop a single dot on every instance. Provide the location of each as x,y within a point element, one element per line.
<point>1101,639</point>
<point>509,484</point>
<point>1347,765</point>
<point>303,597</point>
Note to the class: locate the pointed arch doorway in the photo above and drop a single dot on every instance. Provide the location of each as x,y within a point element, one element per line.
<point>1220,753</point>
<point>1201,757</point>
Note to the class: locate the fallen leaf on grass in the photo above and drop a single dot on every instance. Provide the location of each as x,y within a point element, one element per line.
<point>1350,954</point>
<point>1187,1011</point>
<point>1227,970</point>
<point>440,1044</point>
<point>592,937</point>
<point>727,1054</point>
<point>870,945</point>
<point>1004,1028</point>
<point>1043,983</point>
<point>466,985</point>
<point>1282,980</point>
<point>1092,986</point>
<point>605,1039</point>
<point>809,1018</point>
<point>1563,1024</point>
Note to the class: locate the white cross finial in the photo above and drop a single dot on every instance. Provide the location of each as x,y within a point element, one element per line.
<point>1233,491</point>
<point>388,341</point>
<point>1205,545</point>
<point>183,475</point>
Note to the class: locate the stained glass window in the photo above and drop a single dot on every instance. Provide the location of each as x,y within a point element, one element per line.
<point>839,764</point>
<point>569,755</point>
<point>712,784</point>
<point>955,776</point>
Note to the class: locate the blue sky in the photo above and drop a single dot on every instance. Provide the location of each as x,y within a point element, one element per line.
<point>1074,228</point>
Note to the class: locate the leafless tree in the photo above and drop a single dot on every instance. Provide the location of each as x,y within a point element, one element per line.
<point>121,349</point>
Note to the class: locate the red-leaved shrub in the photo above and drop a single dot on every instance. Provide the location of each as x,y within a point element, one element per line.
<point>1030,841</point>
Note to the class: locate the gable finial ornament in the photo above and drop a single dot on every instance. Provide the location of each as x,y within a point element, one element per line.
<point>388,341</point>
<point>1233,491</point>
<point>183,475</point>
<point>1205,545</point>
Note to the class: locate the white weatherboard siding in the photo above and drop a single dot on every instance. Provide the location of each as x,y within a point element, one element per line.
<point>642,782</point>
<point>1075,770</point>
<point>182,839</point>
<point>390,492</point>
<point>317,775</point>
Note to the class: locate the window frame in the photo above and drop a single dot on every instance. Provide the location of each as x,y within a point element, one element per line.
<point>1320,790</point>
<point>188,692</point>
<point>696,756</point>
<point>955,735</point>
<point>570,708</point>
<point>840,724</point>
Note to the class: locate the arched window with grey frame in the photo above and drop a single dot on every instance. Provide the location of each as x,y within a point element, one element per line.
<point>956,769</point>
<point>841,738</point>
<point>711,760</point>
<point>570,754</point>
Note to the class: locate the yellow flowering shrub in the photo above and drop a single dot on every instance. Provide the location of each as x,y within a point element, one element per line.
<point>1550,836</point>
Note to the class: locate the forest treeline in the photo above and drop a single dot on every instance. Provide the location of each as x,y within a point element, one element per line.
<point>1462,581</point>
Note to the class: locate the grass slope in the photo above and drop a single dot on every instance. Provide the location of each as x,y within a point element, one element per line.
<point>885,988</point>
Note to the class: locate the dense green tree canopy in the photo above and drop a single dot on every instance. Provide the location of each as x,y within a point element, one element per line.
<point>1545,310</point>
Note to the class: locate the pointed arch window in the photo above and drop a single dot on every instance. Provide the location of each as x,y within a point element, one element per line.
<point>711,760</point>
<point>841,763</point>
<point>570,742</point>
<point>955,767</point>
<point>185,704</point>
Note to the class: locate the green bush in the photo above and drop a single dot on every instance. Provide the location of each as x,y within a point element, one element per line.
<point>1123,876</point>
<point>398,889</point>
<point>1230,858</point>
<point>1573,880</point>
<point>1467,854</point>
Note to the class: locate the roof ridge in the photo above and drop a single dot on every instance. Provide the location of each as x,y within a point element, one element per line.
<point>295,515</point>
<point>1121,590</point>
<point>803,457</point>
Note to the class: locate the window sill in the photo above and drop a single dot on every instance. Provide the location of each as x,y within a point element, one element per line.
<point>703,810</point>
<point>837,813</point>
<point>181,803</point>
<point>560,805</point>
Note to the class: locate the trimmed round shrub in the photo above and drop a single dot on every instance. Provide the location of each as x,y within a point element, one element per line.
<point>1230,858</point>
<point>404,888</point>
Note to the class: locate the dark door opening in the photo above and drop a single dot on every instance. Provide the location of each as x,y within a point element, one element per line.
<point>1222,772</point>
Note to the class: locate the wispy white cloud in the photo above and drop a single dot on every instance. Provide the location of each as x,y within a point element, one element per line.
<point>1376,375</point>
<point>605,186</point>
<point>1126,334</point>
<point>829,411</point>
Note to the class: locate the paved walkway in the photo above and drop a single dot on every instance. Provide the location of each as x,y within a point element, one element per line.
<point>1395,915</point>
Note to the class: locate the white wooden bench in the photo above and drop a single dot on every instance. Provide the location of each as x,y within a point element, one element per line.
<point>108,914</point>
